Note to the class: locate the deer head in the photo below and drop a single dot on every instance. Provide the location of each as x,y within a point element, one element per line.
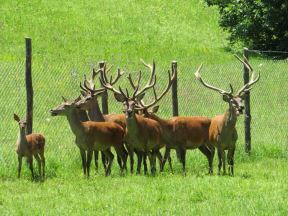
<point>21,122</point>
<point>235,101</point>
<point>65,107</point>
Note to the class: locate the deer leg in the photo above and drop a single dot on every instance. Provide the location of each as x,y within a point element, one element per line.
<point>152,158</point>
<point>19,165</point>
<point>83,157</point>
<point>119,160</point>
<point>38,162</point>
<point>139,157</point>
<point>166,156</point>
<point>224,162</point>
<point>145,163</point>
<point>219,161</point>
<point>209,154</point>
<point>104,160</point>
<point>125,158</point>
<point>183,160</point>
<point>96,156</point>
<point>230,157</point>
<point>160,158</point>
<point>170,163</point>
<point>89,159</point>
<point>30,161</point>
<point>43,163</point>
<point>221,157</point>
<point>121,154</point>
<point>110,157</point>
<point>131,155</point>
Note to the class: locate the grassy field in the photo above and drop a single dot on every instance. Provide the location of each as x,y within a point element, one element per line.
<point>68,39</point>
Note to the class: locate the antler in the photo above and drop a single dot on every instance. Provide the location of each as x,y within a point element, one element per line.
<point>89,86</point>
<point>221,91</point>
<point>253,80</point>
<point>151,82</point>
<point>109,85</point>
<point>141,104</point>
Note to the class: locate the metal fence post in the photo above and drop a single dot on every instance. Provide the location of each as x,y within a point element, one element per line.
<point>102,65</point>
<point>174,90</point>
<point>247,118</point>
<point>29,87</point>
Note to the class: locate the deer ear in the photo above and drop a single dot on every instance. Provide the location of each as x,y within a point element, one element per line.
<point>16,117</point>
<point>83,93</point>
<point>226,98</point>
<point>155,109</point>
<point>119,97</point>
<point>77,99</point>
<point>140,97</point>
<point>64,99</point>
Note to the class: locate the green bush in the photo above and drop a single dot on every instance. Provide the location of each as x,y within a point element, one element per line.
<point>260,24</point>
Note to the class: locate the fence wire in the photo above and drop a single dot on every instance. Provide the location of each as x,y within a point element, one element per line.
<point>269,102</point>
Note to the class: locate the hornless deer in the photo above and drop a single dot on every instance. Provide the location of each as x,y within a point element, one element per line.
<point>180,133</point>
<point>91,136</point>
<point>222,132</point>
<point>29,146</point>
<point>143,134</point>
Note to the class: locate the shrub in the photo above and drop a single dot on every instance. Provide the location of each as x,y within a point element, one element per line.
<point>260,24</point>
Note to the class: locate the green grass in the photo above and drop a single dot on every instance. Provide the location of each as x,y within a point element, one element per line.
<point>68,39</point>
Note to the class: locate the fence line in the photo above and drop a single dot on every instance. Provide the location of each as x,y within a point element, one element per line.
<point>51,81</point>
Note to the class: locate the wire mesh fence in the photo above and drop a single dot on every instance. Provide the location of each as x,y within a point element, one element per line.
<point>269,101</point>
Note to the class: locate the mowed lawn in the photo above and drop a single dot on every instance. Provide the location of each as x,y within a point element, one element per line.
<point>68,39</point>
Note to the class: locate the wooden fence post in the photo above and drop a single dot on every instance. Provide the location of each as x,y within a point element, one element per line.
<point>247,117</point>
<point>174,90</point>
<point>102,65</point>
<point>29,87</point>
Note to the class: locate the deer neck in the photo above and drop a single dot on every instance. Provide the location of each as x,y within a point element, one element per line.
<point>230,117</point>
<point>161,121</point>
<point>75,123</point>
<point>82,115</point>
<point>95,113</point>
<point>132,125</point>
<point>22,140</point>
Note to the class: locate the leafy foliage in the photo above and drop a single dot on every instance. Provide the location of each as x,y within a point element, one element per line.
<point>260,24</point>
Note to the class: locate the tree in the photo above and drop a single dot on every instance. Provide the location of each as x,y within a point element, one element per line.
<point>260,24</point>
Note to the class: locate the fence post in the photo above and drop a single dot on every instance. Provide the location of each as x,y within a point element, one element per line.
<point>29,87</point>
<point>102,65</point>
<point>247,118</point>
<point>174,90</point>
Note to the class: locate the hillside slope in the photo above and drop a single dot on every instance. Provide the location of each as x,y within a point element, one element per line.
<point>108,29</point>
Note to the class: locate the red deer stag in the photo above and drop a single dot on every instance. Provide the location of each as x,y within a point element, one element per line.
<point>29,146</point>
<point>222,132</point>
<point>92,106</point>
<point>91,136</point>
<point>180,133</point>
<point>143,134</point>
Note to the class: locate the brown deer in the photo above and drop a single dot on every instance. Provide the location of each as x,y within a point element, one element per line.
<point>222,132</point>
<point>29,146</point>
<point>143,134</point>
<point>92,106</point>
<point>91,136</point>
<point>180,133</point>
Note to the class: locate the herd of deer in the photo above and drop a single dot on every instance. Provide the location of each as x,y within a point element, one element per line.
<point>139,130</point>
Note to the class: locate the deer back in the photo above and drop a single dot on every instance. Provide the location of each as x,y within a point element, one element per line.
<point>101,135</point>
<point>117,118</point>
<point>191,132</point>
